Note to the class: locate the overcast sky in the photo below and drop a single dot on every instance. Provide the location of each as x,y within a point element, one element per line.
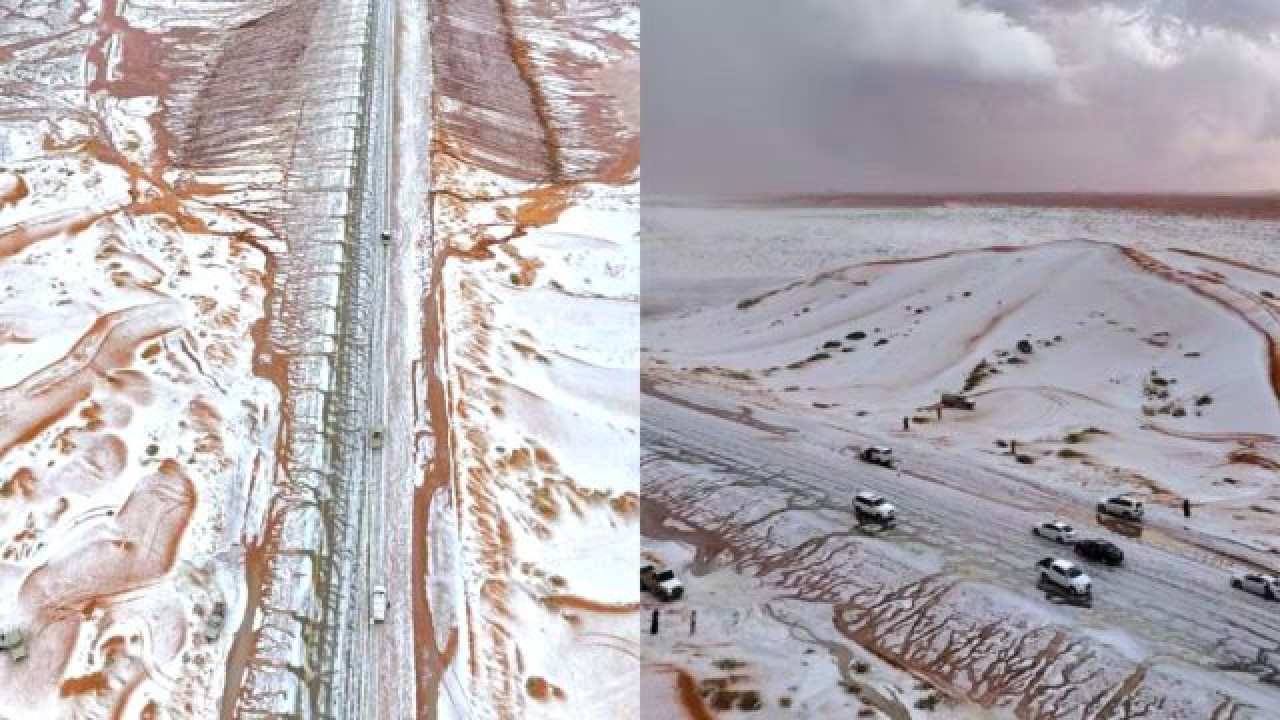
<point>960,95</point>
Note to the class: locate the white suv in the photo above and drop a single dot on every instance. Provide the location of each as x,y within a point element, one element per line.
<point>1261,585</point>
<point>1066,576</point>
<point>869,506</point>
<point>378,604</point>
<point>661,582</point>
<point>1055,530</point>
<point>1122,507</point>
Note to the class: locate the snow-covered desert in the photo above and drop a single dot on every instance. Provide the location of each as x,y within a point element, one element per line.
<point>318,346</point>
<point>1105,352</point>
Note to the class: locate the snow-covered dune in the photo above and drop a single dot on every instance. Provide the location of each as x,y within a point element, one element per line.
<point>1115,350</point>
<point>158,185</point>
<point>531,342</point>
<point>1109,366</point>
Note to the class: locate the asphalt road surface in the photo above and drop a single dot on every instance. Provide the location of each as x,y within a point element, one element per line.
<point>380,661</point>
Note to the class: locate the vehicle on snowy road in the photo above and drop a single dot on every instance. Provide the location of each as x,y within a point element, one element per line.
<point>869,507</point>
<point>378,604</point>
<point>1055,530</point>
<point>1065,576</point>
<point>878,455</point>
<point>1099,551</point>
<point>1264,586</point>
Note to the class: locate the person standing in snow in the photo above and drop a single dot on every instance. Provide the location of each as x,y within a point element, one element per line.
<point>906,424</point>
<point>1186,508</point>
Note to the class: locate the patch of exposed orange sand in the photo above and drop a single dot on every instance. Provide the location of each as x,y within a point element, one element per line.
<point>15,191</point>
<point>543,206</point>
<point>555,602</point>
<point>541,690</point>
<point>690,699</point>
<point>93,683</point>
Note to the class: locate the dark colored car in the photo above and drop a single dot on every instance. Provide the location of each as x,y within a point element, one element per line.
<point>1099,551</point>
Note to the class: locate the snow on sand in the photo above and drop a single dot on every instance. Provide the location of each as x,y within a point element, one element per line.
<point>126,423</point>
<point>1144,371</point>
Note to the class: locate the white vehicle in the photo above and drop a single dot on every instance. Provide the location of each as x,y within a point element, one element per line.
<point>661,582</point>
<point>1122,507</point>
<point>1265,586</point>
<point>378,604</point>
<point>877,455</point>
<point>13,641</point>
<point>1066,577</point>
<point>386,238</point>
<point>1055,530</point>
<point>375,437</point>
<point>869,506</point>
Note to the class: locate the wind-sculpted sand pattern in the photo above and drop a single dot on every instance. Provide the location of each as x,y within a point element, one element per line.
<point>124,415</point>
<point>145,162</point>
<point>976,643</point>
<point>534,315</point>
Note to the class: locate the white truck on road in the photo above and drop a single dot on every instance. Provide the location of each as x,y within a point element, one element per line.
<point>870,507</point>
<point>378,604</point>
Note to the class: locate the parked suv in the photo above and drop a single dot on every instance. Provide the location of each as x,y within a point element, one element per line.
<point>13,641</point>
<point>1066,577</point>
<point>662,583</point>
<point>868,506</point>
<point>1122,507</point>
<point>1100,551</point>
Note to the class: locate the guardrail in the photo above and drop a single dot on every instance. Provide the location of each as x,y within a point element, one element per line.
<point>330,650</point>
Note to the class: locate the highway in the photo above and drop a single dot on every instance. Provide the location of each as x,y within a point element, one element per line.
<point>1173,598</point>
<point>379,679</point>
<point>380,662</point>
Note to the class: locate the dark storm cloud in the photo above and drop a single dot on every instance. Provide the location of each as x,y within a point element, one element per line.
<point>936,95</point>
